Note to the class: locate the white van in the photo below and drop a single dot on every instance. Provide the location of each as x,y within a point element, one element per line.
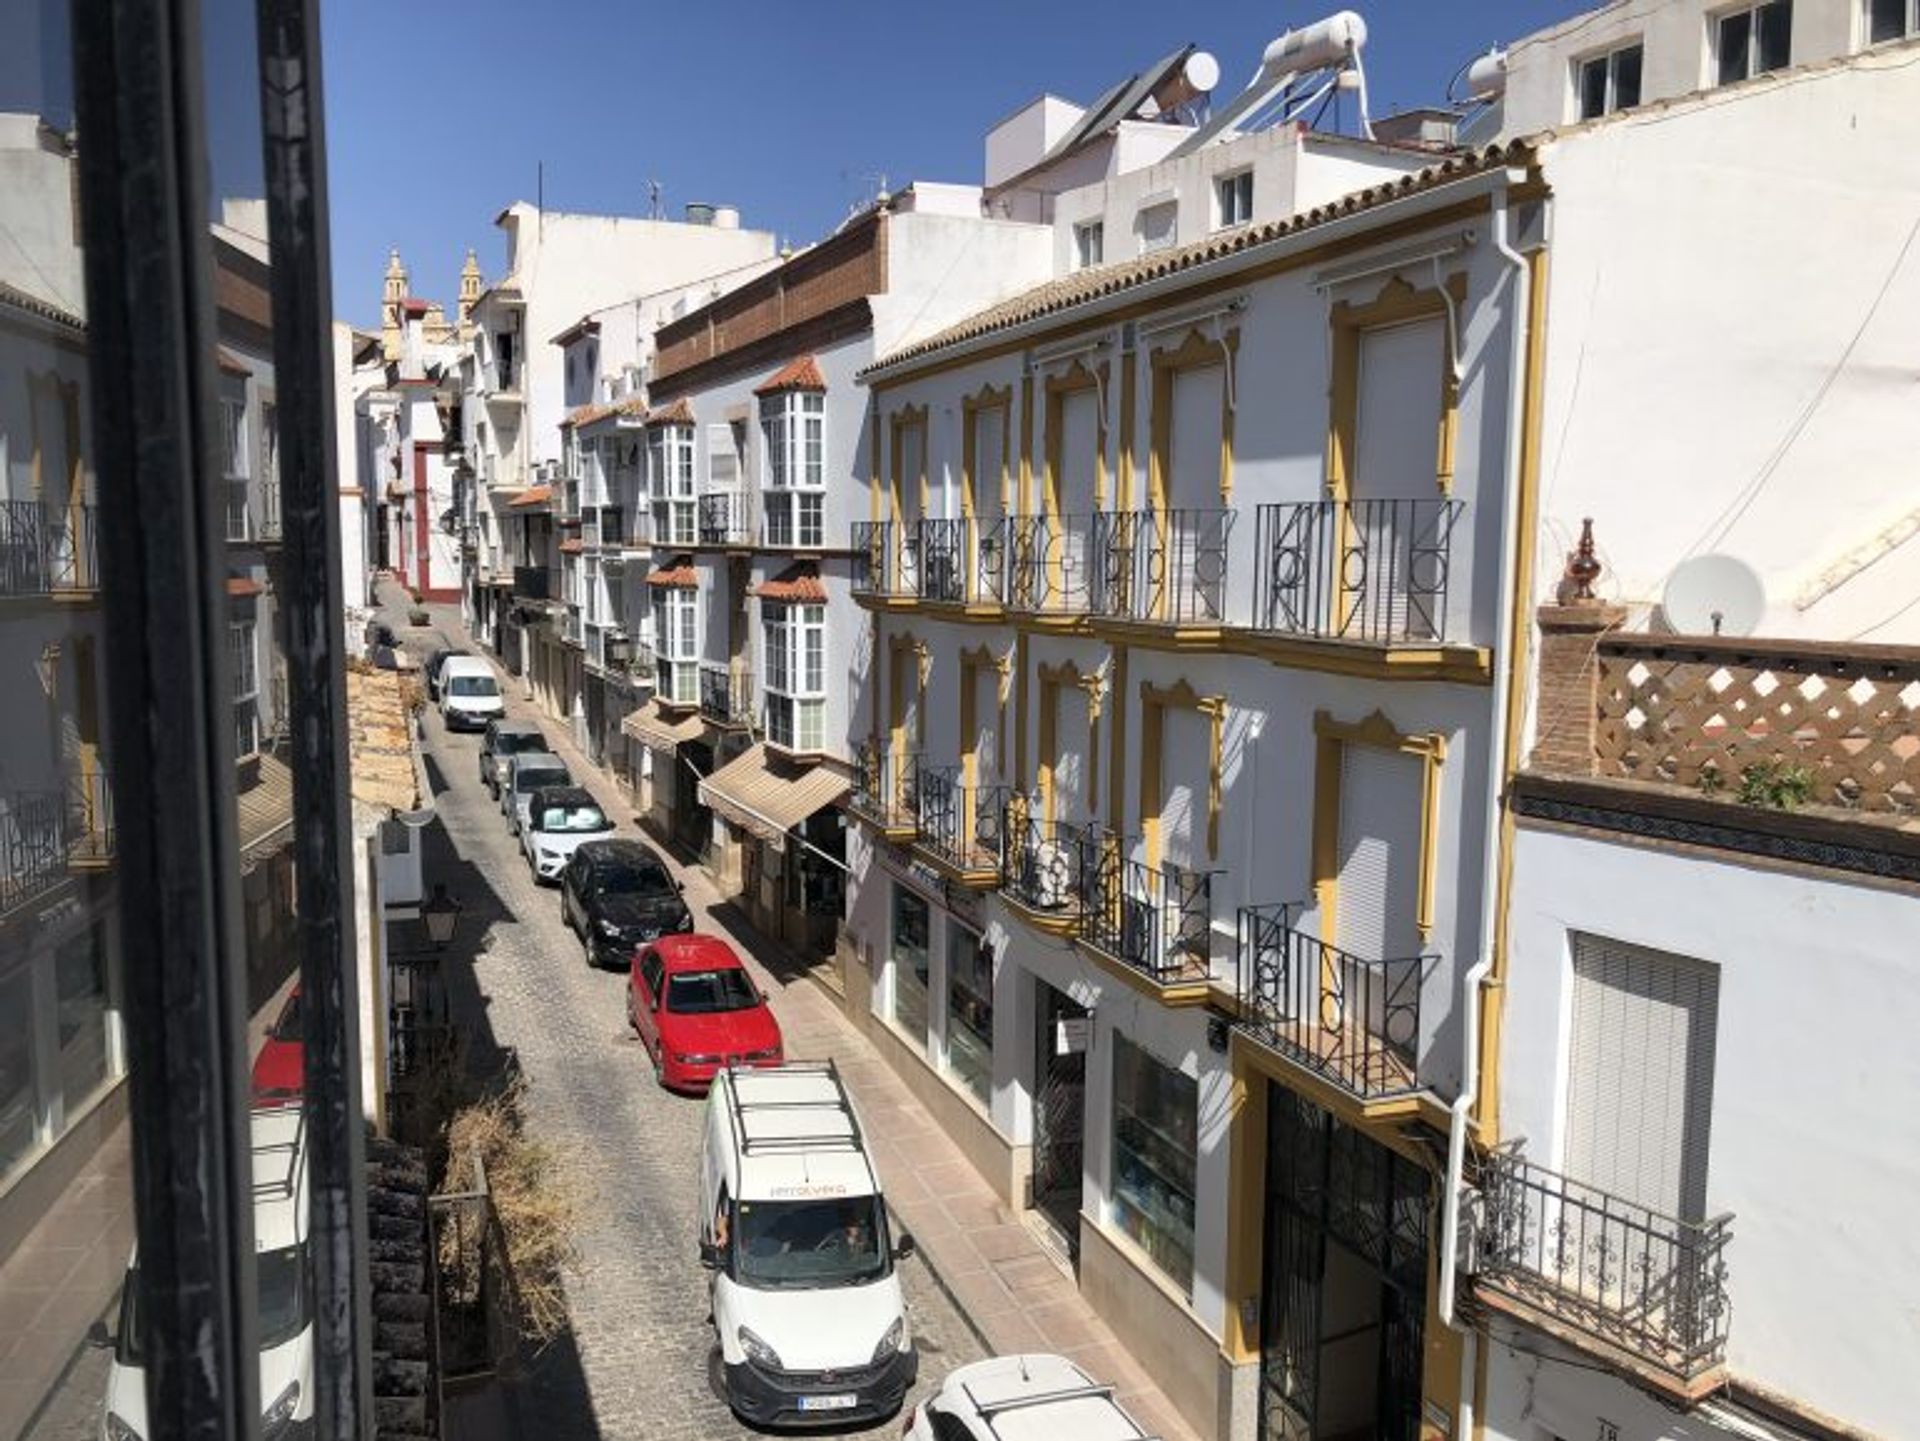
<point>469,694</point>
<point>284,1286</point>
<point>806,1299</point>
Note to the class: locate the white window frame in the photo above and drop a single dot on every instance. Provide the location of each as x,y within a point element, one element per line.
<point>1749,69</point>
<point>793,425</point>
<point>794,637</point>
<point>1171,205</point>
<point>670,483</point>
<point>243,657</point>
<point>676,630</point>
<point>1233,198</point>
<point>1089,244</point>
<point>1910,30</point>
<point>1610,59</point>
<point>233,437</point>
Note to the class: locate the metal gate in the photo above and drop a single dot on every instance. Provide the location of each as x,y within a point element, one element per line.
<point>1059,1117</point>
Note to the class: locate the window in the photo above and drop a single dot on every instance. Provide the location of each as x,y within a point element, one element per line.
<point>670,477</point>
<point>1891,20</point>
<point>676,636</point>
<point>970,1011</point>
<point>794,426</point>
<point>1236,198</point>
<point>1753,41</point>
<point>911,920</point>
<point>233,435</point>
<point>796,645</point>
<point>246,687</point>
<point>1089,244</point>
<point>1155,1127</point>
<point>1610,82</point>
<point>1158,226</point>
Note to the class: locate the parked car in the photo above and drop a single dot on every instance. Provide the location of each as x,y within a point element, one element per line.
<point>469,694</point>
<point>560,819</point>
<point>526,773</point>
<point>280,1070</point>
<point>283,1280</point>
<point>696,1010</point>
<point>1010,1396</point>
<point>434,662</point>
<point>505,738</point>
<point>379,633</point>
<point>618,895</point>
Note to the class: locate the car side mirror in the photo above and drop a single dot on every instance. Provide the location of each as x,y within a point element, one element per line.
<point>710,1255</point>
<point>99,1337</point>
<point>903,1248</point>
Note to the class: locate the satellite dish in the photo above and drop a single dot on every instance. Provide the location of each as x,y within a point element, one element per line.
<point>1714,595</point>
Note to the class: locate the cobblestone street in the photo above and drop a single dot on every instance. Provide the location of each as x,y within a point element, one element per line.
<point>637,1362</point>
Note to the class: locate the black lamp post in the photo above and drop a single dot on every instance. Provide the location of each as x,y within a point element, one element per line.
<point>441,913</point>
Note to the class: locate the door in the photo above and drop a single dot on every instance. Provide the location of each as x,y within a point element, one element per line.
<point>1059,1116</point>
<point>647,979</point>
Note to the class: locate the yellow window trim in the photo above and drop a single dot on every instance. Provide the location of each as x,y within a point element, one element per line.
<point>901,649</point>
<point>907,417</point>
<point>1196,351</point>
<point>1075,379</point>
<point>972,407</point>
<point>1377,731</point>
<point>1398,302</point>
<point>1155,701</point>
<point>1093,685</point>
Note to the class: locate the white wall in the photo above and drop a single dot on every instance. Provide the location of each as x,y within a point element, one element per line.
<point>942,268</point>
<point>43,255</point>
<point>1814,1144</point>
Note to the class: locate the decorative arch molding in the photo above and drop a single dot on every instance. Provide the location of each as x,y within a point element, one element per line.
<point>1155,702</point>
<point>1197,350</point>
<point>1397,302</point>
<point>1380,733</point>
<point>1075,379</point>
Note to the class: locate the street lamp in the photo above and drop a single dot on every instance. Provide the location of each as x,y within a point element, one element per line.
<point>440,912</point>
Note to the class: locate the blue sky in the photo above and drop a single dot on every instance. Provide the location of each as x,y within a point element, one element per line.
<point>441,111</point>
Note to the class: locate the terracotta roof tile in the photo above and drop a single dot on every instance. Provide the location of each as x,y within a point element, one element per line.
<point>19,299</point>
<point>413,305</point>
<point>799,374</point>
<point>380,739</point>
<point>571,547</point>
<point>677,573</point>
<point>530,497</point>
<point>586,415</point>
<point>679,413</point>
<point>240,585</point>
<point>798,582</point>
<point>1098,282</point>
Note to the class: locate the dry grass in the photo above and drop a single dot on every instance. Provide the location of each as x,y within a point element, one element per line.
<point>538,1203</point>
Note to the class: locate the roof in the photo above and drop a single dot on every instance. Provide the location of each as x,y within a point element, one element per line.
<point>413,305</point>
<point>677,573</point>
<point>1037,1398</point>
<point>585,415</point>
<point>567,795</point>
<point>380,740</point>
<point>802,373</point>
<point>795,1105</point>
<point>16,299</point>
<point>572,547</point>
<point>586,325</point>
<point>798,582</point>
<point>240,586</point>
<point>265,808</point>
<point>679,413</point>
<point>648,726</point>
<point>533,495</point>
<point>683,951</point>
<point>623,851</point>
<point>1099,282</point>
<point>769,795</point>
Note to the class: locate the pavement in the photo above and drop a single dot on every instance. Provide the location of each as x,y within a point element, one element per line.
<point>982,1282</point>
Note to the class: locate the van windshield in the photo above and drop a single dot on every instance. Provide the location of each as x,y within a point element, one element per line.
<point>798,1245</point>
<point>473,685</point>
<point>283,1281</point>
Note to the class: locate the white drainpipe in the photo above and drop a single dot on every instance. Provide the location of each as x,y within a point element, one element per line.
<point>1474,978</point>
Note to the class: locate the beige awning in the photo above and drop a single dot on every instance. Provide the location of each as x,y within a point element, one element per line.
<point>651,727</point>
<point>265,807</point>
<point>769,796</point>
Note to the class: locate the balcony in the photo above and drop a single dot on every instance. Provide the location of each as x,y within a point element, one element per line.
<point>535,582</point>
<point>886,791</point>
<point>963,562</point>
<point>881,567</point>
<point>1162,567</point>
<point>1040,867</point>
<point>47,550</point>
<point>1352,1021</point>
<point>268,510</point>
<point>1050,563</point>
<point>726,695</point>
<point>1642,1289</point>
<point>1374,572</point>
<point>726,518</point>
<point>48,836</point>
<point>1156,920</point>
<point>962,826</point>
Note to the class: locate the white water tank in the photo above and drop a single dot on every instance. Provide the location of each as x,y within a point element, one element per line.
<point>1487,76</point>
<point>1325,43</point>
<point>726,217</point>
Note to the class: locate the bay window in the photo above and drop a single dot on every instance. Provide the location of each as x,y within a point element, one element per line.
<point>796,642</point>
<point>670,478</point>
<point>246,687</point>
<point>794,426</point>
<point>676,644</point>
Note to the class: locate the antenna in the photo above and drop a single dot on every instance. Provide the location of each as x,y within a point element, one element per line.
<point>1713,595</point>
<point>655,210</point>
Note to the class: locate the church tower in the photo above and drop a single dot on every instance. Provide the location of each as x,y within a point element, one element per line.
<point>469,294</point>
<point>392,323</point>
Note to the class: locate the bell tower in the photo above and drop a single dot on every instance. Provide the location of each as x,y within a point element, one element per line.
<point>392,327</point>
<point>469,294</point>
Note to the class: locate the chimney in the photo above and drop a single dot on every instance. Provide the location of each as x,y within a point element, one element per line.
<point>1566,727</point>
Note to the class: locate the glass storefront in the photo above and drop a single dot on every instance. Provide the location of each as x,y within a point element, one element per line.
<point>969,1010</point>
<point>1156,1112</point>
<point>911,957</point>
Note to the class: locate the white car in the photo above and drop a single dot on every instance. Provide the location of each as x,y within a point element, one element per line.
<point>285,1280</point>
<point>469,693</point>
<point>1022,1398</point>
<point>560,820</point>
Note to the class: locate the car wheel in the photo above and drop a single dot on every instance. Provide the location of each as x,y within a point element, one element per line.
<point>659,1070</point>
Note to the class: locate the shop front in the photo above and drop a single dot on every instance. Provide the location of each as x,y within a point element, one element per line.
<point>788,844</point>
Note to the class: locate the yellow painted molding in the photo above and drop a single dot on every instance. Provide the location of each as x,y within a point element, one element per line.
<point>986,399</point>
<point>1197,350</point>
<point>1398,302</point>
<point>906,418</point>
<point>1155,701</point>
<point>1377,731</point>
<point>1026,445</point>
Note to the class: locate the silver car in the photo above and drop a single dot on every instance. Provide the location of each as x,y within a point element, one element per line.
<point>525,774</point>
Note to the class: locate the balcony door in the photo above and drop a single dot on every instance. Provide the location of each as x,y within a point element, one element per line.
<point>1397,428</point>
<point>1377,893</point>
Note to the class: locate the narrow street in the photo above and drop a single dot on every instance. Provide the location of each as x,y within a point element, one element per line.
<point>637,1360</point>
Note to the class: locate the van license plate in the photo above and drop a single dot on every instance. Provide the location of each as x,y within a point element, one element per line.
<point>842,1402</point>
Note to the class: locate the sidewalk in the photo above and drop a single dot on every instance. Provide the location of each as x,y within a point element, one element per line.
<point>1015,1295</point>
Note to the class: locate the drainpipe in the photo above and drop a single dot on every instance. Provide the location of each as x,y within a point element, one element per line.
<point>1473,981</point>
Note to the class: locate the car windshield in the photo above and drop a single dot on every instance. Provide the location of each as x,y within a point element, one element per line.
<point>837,1241</point>
<point>508,743</point>
<point>573,818</point>
<point>647,880</point>
<point>474,685</point>
<point>701,993</point>
<point>533,780</point>
<point>284,1287</point>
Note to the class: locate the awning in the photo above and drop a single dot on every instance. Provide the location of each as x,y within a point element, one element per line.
<point>650,726</point>
<point>265,807</point>
<point>768,796</point>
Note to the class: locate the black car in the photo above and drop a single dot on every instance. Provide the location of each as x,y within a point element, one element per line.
<point>434,662</point>
<point>616,895</point>
<point>502,739</point>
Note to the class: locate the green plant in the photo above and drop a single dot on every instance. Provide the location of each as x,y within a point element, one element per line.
<point>1775,785</point>
<point>1711,782</point>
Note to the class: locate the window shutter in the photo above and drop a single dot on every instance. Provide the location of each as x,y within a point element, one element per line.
<point>1396,445</point>
<point>1640,1074</point>
<point>1380,833</point>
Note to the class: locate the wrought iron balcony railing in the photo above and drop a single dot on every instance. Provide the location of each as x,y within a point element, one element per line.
<point>963,561</point>
<point>1629,1277</point>
<point>886,559</point>
<point>962,825</point>
<point>1156,919</point>
<point>47,549</point>
<point>886,787</point>
<point>1355,1021</point>
<point>46,835</point>
<point>1362,570</point>
<point>1050,563</point>
<point>269,528</point>
<point>726,518</point>
<point>1164,566</point>
<point>1040,869</point>
<point>726,694</point>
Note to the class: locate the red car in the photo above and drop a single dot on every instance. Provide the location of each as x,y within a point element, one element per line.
<point>695,1008</point>
<point>280,1070</point>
